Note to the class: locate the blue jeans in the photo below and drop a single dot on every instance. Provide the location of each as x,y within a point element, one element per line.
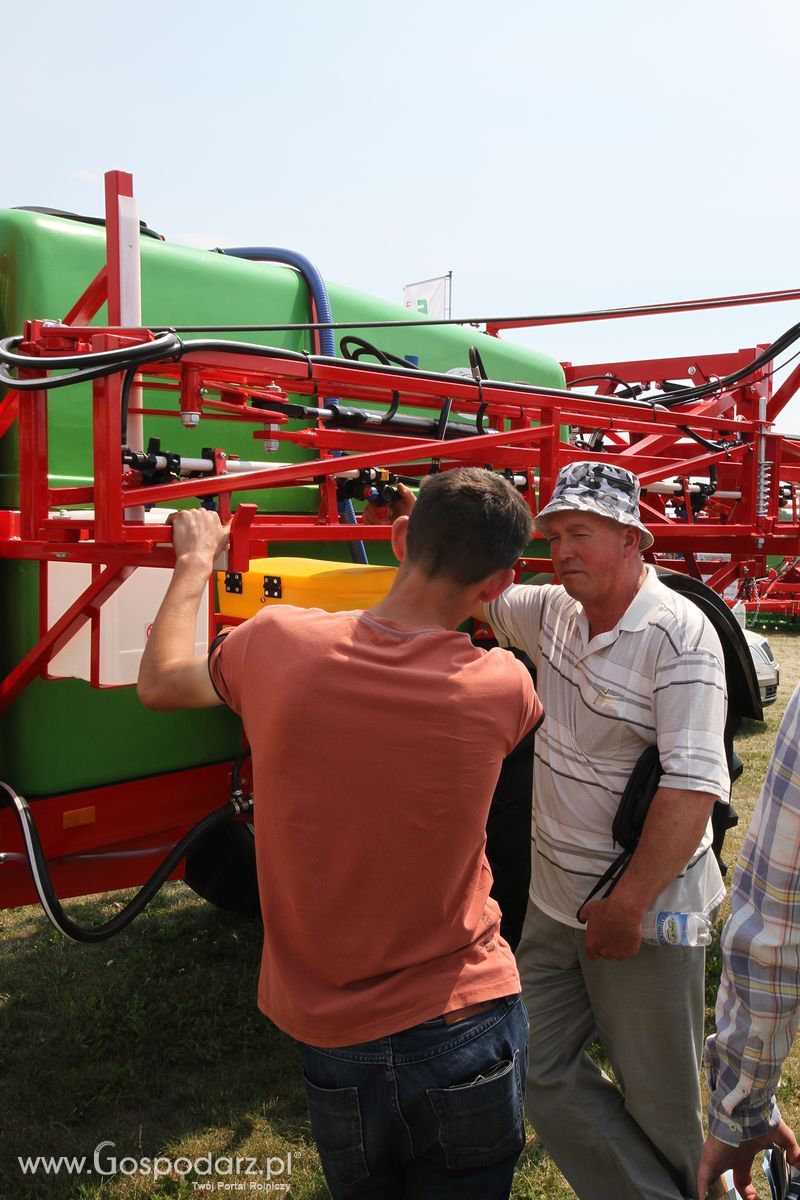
<point>432,1113</point>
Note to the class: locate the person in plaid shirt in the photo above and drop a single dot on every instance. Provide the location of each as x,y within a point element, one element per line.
<point>758,1005</point>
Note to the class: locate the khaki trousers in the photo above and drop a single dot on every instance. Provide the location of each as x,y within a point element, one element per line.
<point>641,1140</point>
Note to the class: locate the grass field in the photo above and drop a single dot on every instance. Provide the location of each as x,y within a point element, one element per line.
<point>152,1044</point>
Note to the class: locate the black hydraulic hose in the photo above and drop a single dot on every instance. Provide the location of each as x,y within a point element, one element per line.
<point>632,389</point>
<point>44,887</point>
<point>160,347</point>
<point>389,422</point>
<point>91,365</point>
<point>698,437</point>
<point>440,431</point>
<point>478,374</point>
<point>166,346</point>
<point>127,384</point>
<point>236,770</point>
<point>476,364</point>
<point>47,382</point>
<point>391,411</point>
<point>344,418</point>
<point>480,414</point>
<point>725,382</point>
<point>362,347</point>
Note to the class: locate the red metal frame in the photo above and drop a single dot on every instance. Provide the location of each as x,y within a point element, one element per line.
<point>741,520</point>
<point>776,458</point>
<point>533,432</point>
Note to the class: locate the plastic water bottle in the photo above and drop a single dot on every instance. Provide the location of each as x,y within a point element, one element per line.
<point>677,929</point>
<point>723,1189</point>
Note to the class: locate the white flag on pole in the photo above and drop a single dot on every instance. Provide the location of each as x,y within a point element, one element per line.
<point>429,297</point>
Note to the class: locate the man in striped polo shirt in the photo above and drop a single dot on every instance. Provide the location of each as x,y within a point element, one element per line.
<point>622,663</point>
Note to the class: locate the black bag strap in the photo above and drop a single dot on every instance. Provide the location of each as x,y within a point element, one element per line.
<point>629,819</point>
<point>610,876</point>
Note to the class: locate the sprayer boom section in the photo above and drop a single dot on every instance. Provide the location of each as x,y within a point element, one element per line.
<point>721,492</point>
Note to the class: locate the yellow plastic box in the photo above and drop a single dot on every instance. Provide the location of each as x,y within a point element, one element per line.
<point>305,582</point>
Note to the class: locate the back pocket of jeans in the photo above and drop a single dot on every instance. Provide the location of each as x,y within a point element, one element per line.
<point>336,1125</point>
<point>481,1121</point>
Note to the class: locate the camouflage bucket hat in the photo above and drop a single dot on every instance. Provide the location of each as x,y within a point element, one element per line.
<point>597,488</point>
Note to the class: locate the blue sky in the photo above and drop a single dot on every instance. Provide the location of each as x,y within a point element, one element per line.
<point>554,158</point>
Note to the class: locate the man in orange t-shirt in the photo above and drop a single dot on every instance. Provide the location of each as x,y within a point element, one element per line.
<point>377,738</point>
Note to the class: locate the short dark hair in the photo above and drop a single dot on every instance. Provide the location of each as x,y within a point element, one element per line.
<point>467,523</point>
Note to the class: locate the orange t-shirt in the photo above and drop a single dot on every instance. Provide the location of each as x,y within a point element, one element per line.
<point>376,749</point>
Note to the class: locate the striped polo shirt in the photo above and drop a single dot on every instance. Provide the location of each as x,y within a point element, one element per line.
<point>657,677</point>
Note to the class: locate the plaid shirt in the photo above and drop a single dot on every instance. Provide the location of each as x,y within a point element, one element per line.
<point>758,1006</point>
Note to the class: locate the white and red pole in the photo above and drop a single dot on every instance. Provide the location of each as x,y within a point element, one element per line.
<point>125,285</point>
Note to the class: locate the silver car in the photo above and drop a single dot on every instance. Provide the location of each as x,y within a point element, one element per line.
<point>768,671</point>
